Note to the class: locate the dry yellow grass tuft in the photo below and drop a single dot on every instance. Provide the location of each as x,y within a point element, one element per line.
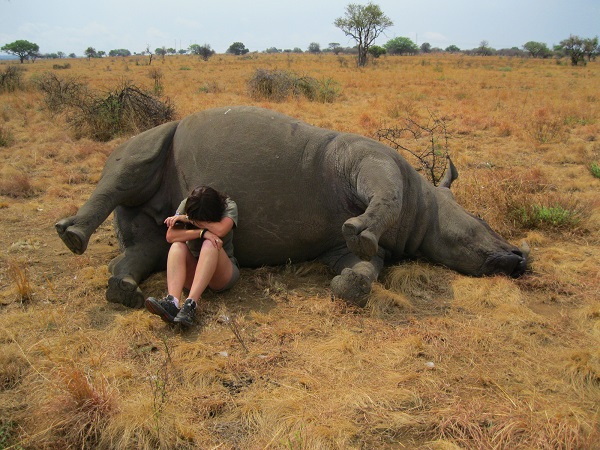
<point>436,360</point>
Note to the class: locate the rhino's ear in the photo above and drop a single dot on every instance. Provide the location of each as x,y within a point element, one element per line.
<point>450,175</point>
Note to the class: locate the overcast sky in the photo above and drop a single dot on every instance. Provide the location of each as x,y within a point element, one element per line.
<point>71,26</point>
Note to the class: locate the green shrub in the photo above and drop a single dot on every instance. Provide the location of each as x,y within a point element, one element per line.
<point>550,216</point>
<point>595,169</point>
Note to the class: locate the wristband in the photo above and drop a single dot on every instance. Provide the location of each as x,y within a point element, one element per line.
<point>202,231</point>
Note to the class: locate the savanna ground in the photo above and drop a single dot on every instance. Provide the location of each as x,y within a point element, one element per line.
<point>435,361</point>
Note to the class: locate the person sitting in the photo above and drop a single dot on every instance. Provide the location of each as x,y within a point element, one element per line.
<point>201,253</point>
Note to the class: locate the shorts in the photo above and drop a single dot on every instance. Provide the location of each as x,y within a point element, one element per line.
<point>235,275</point>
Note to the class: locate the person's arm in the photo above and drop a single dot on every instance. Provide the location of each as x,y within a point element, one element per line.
<point>220,228</point>
<point>178,233</point>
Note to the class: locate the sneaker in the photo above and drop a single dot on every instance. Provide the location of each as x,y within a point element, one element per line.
<point>164,308</point>
<point>186,313</point>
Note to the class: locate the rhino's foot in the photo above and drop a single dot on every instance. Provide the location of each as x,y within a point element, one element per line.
<point>352,287</point>
<point>124,290</point>
<point>361,242</point>
<point>73,237</point>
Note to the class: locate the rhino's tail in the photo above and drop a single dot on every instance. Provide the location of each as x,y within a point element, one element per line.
<point>131,176</point>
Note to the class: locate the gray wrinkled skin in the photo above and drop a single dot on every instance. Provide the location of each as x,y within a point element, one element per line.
<point>303,193</point>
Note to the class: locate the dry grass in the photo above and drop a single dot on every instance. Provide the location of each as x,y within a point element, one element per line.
<point>435,361</point>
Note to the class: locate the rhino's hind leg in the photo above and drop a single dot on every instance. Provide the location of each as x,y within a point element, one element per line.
<point>356,276</point>
<point>124,290</point>
<point>360,241</point>
<point>145,252</point>
<point>74,238</point>
<point>352,286</point>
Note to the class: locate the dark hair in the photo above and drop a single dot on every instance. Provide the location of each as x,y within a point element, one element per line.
<point>205,204</point>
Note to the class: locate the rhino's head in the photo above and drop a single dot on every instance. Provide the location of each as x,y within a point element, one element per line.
<point>465,243</point>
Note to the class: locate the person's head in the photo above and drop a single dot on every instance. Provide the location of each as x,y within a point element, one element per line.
<point>205,204</point>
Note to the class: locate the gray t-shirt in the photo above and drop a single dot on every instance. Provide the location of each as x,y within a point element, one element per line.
<point>231,211</point>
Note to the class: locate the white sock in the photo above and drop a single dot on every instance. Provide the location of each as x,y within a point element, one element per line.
<point>176,301</point>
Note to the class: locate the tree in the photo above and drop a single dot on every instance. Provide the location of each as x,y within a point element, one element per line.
<point>23,49</point>
<point>161,51</point>
<point>314,47</point>
<point>335,47</point>
<point>536,49</point>
<point>376,51</point>
<point>401,46</point>
<point>484,48</point>
<point>364,24</point>
<point>119,52</point>
<point>203,51</point>
<point>452,49</point>
<point>237,48</point>
<point>573,47</point>
<point>590,47</point>
<point>425,47</point>
<point>90,52</point>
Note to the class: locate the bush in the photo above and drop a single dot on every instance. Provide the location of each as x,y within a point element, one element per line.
<point>279,85</point>
<point>423,144</point>
<point>595,169</point>
<point>127,109</point>
<point>11,79</point>
<point>61,66</point>
<point>554,215</point>
<point>62,93</point>
<point>512,202</point>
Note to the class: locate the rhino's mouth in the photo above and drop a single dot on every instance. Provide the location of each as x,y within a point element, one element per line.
<point>513,264</point>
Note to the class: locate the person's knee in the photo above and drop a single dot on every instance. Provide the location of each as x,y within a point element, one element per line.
<point>178,249</point>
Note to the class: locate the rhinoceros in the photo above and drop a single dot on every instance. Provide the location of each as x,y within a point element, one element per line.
<point>304,193</point>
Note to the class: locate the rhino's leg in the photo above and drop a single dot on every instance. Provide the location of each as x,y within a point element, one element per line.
<point>378,184</point>
<point>145,252</point>
<point>132,175</point>
<point>356,276</point>
<point>75,231</point>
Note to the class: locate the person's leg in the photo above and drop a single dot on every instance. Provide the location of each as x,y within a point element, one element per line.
<point>214,269</point>
<point>181,267</point>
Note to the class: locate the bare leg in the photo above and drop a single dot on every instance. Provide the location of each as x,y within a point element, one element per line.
<point>213,268</point>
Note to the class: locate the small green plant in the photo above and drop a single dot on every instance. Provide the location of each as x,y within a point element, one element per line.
<point>6,435</point>
<point>595,169</point>
<point>554,216</point>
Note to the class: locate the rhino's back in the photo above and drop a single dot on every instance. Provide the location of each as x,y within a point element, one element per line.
<point>291,205</point>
